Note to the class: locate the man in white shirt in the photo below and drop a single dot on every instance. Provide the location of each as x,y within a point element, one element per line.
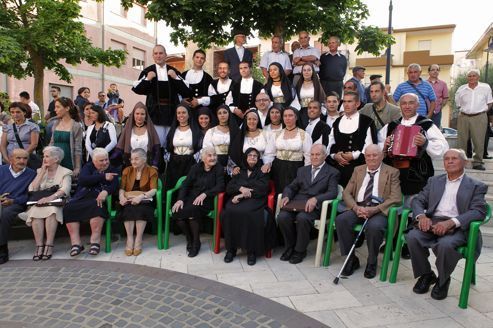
<point>161,85</point>
<point>474,100</point>
<point>220,89</point>
<point>26,99</point>
<point>304,54</point>
<point>197,81</point>
<point>275,55</point>
<point>316,128</point>
<point>244,92</point>
<point>442,214</point>
<point>262,103</point>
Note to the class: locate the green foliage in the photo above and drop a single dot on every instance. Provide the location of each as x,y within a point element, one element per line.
<point>44,32</point>
<point>4,101</point>
<point>257,71</point>
<point>208,22</point>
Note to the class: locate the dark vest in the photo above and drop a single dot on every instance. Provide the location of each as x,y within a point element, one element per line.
<point>219,98</point>
<point>414,178</point>
<point>321,130</point>
<point>244,101</point>
<point>200,89</point>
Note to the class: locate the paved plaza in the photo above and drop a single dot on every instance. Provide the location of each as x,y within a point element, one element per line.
<point>101,292</point>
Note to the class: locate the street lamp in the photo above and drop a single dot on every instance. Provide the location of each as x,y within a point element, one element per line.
<point>389,31</point>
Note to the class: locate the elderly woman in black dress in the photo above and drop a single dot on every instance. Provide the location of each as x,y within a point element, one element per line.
<point>244,220</point>
<point>139,184</point>
<point>96,181</point>
<point>196,197</point>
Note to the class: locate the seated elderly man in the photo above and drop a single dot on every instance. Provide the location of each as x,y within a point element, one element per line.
<point>373,188</point>
<point>443,212</point>
<point>15,178</point>
<point>302,201</point>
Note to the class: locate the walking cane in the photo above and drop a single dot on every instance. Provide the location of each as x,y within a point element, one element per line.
<point>376,200</point>
<point>336,280</point>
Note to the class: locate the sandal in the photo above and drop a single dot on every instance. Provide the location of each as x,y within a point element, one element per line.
<point>46,256</point>
<point>76,250</point>
<point>94,249</point>
<point>38,255</point>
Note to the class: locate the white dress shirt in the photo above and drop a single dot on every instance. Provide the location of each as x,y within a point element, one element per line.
<point>240,51</point>
<point>317,171</point>
<point>366,180</point>
<point>222,87</point>
<point>194,77</point>
<point>437,144</point>
<point>473,101</point>
<point>308,51</point>
<point>348,125</point>
<point>280,57</point>
<point>448,204</point>
<point>309,129</point>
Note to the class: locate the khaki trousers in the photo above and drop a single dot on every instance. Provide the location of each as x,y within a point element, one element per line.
<point>473,127</point>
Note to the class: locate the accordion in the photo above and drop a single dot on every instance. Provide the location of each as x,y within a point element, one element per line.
<point>402,144</point>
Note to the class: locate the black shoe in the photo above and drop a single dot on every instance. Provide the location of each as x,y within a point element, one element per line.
<point>424,282</point>
<point>405,252</point>
<point>4,259</point>
<point>479,167</point>
<point>194,251</point>
<point>287,254</point>
<point>230,255</point>
<point>189,246</point>
<point>251,259</point>
<point>351,266</point>
<point>297,257</point>
<point>487,157</point>
<point>440,292</point>
<point>370,271</point>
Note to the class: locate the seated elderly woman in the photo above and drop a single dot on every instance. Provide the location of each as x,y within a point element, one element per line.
<point>96,181</point>
<point>138,186</point>
<point>52,182</point>
<point>196,197</point>
<point>244,219</point>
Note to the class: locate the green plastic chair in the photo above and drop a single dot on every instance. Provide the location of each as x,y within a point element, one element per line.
<point>212,214</point>
<point>158,214</point>
<point>467,251</point>
<point>388,238</point>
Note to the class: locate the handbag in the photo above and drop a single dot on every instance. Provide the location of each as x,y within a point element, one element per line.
<point>34,196</point>
<point>34,161</point>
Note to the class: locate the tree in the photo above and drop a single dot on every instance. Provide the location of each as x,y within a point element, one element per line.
<point>208,22</point>
<point>45,34</point>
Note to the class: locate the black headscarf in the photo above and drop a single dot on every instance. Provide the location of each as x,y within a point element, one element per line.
<point>267,119</point>
<point>259,160</point>
<point>195,131</point>
<point>236,146</point>
<point>286,86</point>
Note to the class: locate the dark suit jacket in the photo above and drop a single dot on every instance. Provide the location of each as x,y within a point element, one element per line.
<point>231,57</point>
<point>471,202</point>
<point>324,186</point>
<point>389,187</point>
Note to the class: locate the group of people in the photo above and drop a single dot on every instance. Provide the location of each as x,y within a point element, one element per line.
<point>234,135</point>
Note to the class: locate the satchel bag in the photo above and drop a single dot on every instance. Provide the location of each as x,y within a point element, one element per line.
<point>34,161</point>
<point>34,196</point>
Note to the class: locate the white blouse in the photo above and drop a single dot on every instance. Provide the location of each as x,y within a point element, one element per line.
<point>218,139</point>
<point>137,141</point>
<point>259,142</point>
<point>307,92</point>
<point>297,148</point>
<point>277,92</point>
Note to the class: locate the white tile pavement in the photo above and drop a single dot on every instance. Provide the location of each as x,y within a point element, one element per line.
<point>354,302</point>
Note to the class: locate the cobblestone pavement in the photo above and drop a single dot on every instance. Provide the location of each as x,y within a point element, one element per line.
<point>354,303</point>
<point>71,294</point>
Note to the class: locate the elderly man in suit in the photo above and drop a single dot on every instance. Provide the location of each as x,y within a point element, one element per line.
<point>443,211</point>
<point>237,54</point>
<point>373,188</point>
<point>313,184</point>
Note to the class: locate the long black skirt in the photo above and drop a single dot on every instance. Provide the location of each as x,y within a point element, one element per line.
<point>178,166</point>
<point>246,225</point>
<point>284,172</point>
<point>144,212</point>
<point>193,211</point>
<point>84,209</point>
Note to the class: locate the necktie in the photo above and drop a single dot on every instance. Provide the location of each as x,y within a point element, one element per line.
<point>369,189</point>
<point>314,172</point>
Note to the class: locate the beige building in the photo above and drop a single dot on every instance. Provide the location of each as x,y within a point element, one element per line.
<point>108,25</point>
<point>482,51</point>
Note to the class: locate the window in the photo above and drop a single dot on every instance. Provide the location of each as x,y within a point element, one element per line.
<point>117,45</point>
<point>424,45</point>
<point>138,58</point>
<point>136,14</point>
